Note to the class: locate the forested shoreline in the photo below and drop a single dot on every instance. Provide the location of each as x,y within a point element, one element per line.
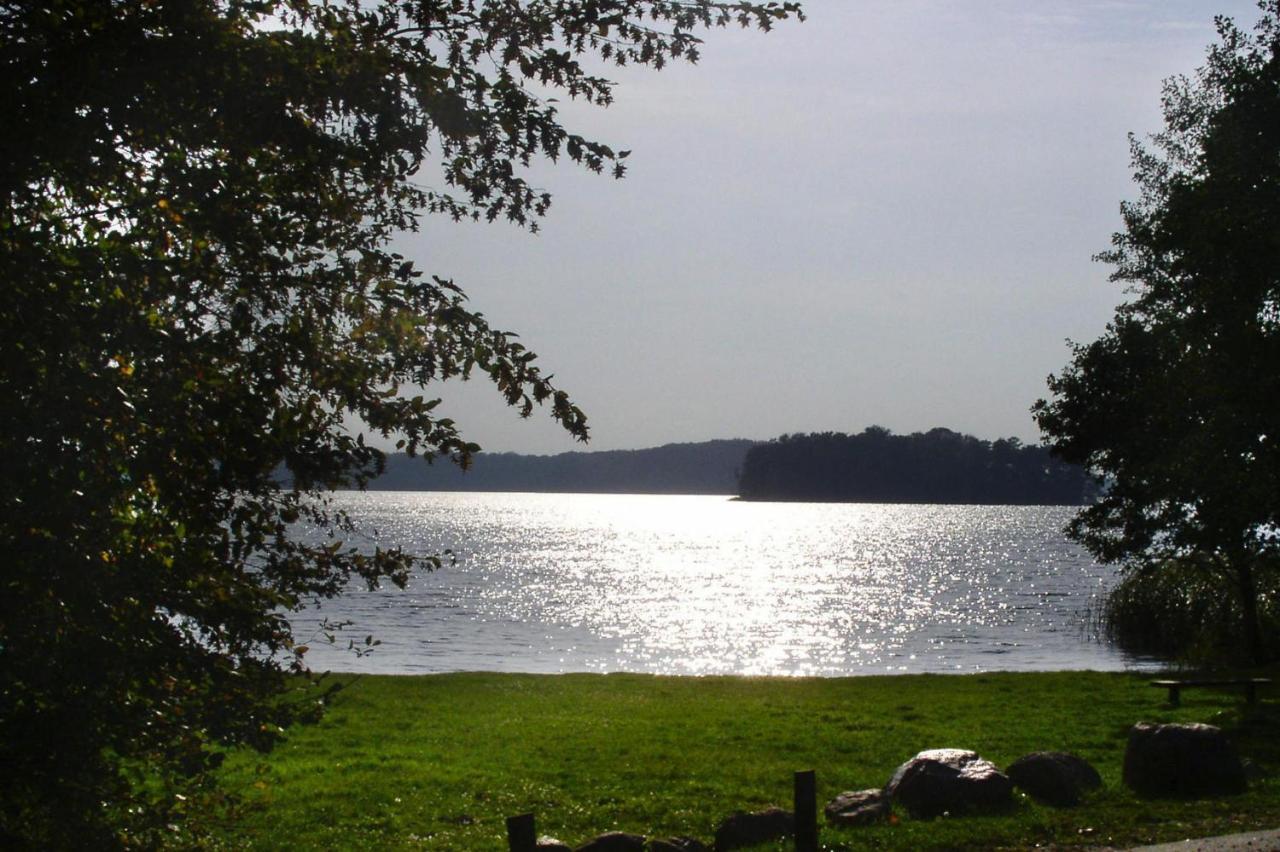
<point>938,466</point>
<point>706,467</point>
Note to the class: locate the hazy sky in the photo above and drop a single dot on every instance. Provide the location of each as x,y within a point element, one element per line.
<point>883,215</point>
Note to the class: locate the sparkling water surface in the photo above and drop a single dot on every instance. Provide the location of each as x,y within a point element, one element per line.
<point>710,585</point>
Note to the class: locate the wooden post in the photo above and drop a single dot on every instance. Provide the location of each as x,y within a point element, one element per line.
<point>521,836</point>
<point>806,811</point>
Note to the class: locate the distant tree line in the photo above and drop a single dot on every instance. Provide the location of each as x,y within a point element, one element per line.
<point>938,466</point>
<point>708,467</point>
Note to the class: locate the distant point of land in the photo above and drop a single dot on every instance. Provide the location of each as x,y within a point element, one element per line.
<point>938,466</point>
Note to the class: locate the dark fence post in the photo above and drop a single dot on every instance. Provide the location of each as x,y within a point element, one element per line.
<point>806,811</point>
<point>521,836</point>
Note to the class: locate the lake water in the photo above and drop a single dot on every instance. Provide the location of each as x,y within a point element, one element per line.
<point>709,585</point>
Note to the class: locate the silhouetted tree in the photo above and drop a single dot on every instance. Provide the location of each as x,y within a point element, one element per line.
<point>196,202</point>
<point>1176,404</point>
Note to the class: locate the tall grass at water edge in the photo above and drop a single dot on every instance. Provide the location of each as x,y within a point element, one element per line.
<point>1188,610</point>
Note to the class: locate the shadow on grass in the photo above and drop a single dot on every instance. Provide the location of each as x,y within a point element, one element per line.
<point>1254,729</point>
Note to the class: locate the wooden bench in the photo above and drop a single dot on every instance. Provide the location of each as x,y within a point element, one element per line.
<point>1175,687</point>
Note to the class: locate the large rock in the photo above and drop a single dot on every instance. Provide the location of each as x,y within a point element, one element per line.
<point>949,780</point>
<point>743,829</point>
<point>1054,777</point>
<point>677,844</point>
<point>1181,760</point>
<point>550,844</point>
<point>614,841</point>
<point>857,807</point>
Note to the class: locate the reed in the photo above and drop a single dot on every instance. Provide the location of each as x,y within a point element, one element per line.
<point>1188,610</point>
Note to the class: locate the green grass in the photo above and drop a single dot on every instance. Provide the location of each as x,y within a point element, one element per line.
<point>438,762</point>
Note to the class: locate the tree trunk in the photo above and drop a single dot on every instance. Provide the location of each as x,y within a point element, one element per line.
<point>1249,608</point>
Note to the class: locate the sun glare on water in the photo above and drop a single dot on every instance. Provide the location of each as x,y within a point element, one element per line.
<point>708,585</point>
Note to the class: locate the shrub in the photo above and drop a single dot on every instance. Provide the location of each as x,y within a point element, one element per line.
<point>1188,610</point>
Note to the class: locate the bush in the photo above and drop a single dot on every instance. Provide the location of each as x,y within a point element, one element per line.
<point>1188,610</point>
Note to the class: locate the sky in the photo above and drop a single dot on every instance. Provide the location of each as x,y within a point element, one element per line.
<point>883,215</point>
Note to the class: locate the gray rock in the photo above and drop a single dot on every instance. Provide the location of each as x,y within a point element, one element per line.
<point>858,807</point>
<point>550,844</point>
<point>742,829</point>
<point>1181,760</point>
<point>949,780</point>
<point>678,844</point>
<point>614,841</point>
<point>1054,777</point>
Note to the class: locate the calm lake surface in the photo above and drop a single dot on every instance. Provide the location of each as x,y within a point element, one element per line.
<point>708,585</point>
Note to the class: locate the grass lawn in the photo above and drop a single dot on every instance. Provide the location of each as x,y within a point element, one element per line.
<point>438,762</point>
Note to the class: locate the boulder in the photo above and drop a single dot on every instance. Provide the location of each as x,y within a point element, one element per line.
<point>949,780</point>
<point>857,807</point>
<point>1054,777</point>
<point>614,841</point>
<point>677,844</point>
<point>550,844</point>
<point>1181,760</point>
<point>749,829</point>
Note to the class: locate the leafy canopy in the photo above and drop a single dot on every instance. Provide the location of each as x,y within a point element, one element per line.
<point>1175,405</point>
<point>196,203</point>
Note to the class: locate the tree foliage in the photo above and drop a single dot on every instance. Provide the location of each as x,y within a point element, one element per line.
<point>196,203</point>
<point>1175,405</point>
<point>938,466</point>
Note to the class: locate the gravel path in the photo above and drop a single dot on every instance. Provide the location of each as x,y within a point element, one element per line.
<point>1254,841</point>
